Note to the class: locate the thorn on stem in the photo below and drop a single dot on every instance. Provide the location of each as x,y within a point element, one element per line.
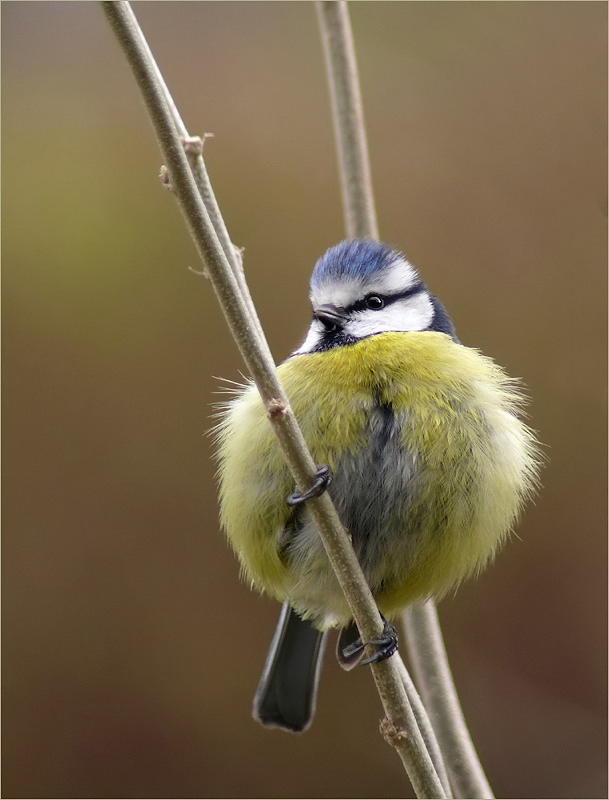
<point>193,145</point>
<point>391,733</point>
<point>204,273</point>
<point>165,179</point>
<point>275,408</point>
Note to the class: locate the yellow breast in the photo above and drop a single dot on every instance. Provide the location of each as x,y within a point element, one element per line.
<point>431,466</point>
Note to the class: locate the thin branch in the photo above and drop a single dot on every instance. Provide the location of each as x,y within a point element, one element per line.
<point>348,116</point>
<point>360,217</point>
<point>432,673</point>
<point>247,333</point>
<point>422,627</point>
<point>426,728</point>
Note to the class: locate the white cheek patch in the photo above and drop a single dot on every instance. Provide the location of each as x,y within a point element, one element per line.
<point>414,313</point>
<point>410,314</point>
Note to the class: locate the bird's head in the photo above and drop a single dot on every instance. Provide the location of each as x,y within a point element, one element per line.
<point>360,288</point>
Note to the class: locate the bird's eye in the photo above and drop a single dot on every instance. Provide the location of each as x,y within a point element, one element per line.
<point>375,301</point>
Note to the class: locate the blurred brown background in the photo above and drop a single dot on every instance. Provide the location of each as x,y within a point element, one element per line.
<point>131,649</point>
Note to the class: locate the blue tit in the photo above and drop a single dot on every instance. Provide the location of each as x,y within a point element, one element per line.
<point>430,464</point>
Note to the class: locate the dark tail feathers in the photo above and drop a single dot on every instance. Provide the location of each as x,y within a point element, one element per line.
<point>286,694</point>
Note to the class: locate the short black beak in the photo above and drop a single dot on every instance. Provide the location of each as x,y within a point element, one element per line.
<point>330,317</point>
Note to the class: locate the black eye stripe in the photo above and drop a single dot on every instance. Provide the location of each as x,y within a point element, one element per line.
<point>388,299</point>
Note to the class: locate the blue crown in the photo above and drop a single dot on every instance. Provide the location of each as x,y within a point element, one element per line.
<point>353,258</point>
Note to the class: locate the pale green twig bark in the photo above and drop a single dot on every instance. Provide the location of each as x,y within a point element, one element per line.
<point>360,215</point>
<point>426,728</point>
<point>348,116</point>
<point>433,676</point>
<point>401,725</point>
<point>421,623</point>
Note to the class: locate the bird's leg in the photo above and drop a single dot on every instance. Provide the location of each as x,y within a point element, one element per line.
<point>320,484</point>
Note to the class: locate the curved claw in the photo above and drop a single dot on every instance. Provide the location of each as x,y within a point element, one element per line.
<point>320,484</point>
<point>386,644</point>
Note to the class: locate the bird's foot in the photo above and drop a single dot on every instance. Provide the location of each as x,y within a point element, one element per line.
<point>320,484</point>
<point>386,645</point>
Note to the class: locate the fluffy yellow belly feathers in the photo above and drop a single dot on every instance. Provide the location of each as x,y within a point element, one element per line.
<point>431,466</point>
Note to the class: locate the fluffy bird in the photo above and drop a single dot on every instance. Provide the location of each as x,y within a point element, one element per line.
<point>430,465</point>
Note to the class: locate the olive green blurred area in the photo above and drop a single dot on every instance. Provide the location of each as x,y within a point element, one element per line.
<point>131,649</point>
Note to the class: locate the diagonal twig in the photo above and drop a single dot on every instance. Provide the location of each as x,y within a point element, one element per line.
<point>421,623</point>
<point>254,349</point>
